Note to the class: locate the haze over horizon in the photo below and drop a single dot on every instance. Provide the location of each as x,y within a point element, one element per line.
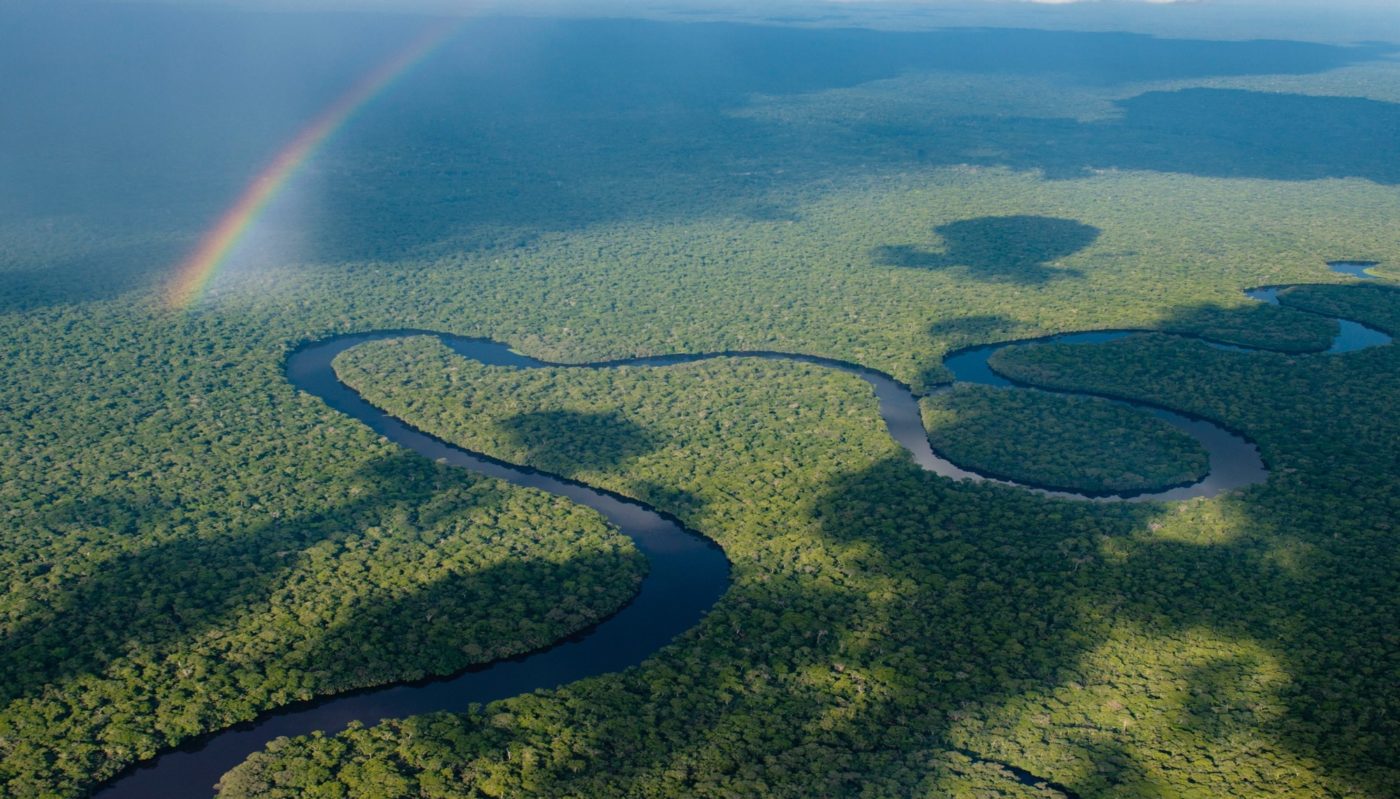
<point>1343,20</point>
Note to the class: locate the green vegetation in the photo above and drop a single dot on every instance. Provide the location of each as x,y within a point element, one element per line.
<point>148,429</point>
<point>1075,443</point>
<point>186,540</point>
<point>180,428</point>
<point>626,429</point>
<point>188,568</point>
<point>881,618</point>
<point>1374,303</point>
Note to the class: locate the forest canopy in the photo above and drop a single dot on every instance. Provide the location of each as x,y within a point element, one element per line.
<point>188,541</point>
<point>1057,441</point>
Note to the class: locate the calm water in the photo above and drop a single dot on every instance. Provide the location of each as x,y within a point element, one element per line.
<point>1352,336</point>
<point>687,574</point>
<point>1353,268</point>
<point>1234,460</point>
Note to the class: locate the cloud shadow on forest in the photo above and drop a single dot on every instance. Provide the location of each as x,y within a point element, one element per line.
<point>932,591</point>
<point>556,124</point>
<point>567,442</point>
<point>1054,630</point>
<point>999,249</point>
<point>1139,583</point>
<point>170,593</point>
<point>976,613</point>
<point>1224,133</point>
<point>85,278</point>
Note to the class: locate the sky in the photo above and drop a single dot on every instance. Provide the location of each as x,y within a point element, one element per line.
<point>565,5</point>
<point>1315,20</point>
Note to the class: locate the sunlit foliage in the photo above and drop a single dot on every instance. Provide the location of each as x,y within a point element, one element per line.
<point>186,541</point>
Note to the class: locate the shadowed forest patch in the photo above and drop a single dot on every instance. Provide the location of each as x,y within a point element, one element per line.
<point>1018,249</point>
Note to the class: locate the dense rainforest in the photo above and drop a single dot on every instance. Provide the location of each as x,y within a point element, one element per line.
<point>1080,443</point>
<point>218,592</point>
<point>188,541</point>
<point>1169,694</point>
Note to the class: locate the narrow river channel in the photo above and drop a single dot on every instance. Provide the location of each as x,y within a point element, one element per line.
<point>687,573</point>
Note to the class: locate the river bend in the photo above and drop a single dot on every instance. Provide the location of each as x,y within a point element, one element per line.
<point>686,574</point>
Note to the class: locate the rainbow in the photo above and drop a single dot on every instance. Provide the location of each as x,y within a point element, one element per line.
<point>199,269</point>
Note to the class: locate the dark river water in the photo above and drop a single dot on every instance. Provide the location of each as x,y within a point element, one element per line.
<point>687,573</point>
<point>1352,336</point>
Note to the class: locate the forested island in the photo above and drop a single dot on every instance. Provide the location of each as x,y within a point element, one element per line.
<point>190,542</point>
<point>1064,442</point>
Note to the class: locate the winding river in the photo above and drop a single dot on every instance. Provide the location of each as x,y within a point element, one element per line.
<point>687,573</point>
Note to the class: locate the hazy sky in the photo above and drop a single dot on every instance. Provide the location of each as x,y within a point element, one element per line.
<point>1326,21</point>
<point>786,5</point>
<point>1312,19</point>
<point>1337,21</point>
